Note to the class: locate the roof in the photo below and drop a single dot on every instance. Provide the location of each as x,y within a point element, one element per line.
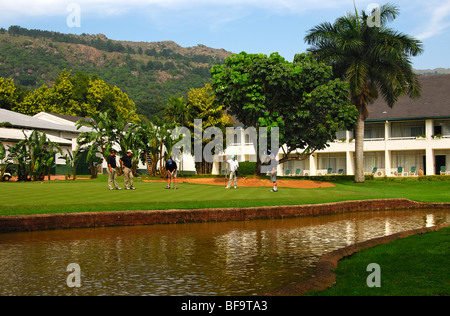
<point>58,118</point>
<point>70,118</point>
<point>28,122</point>
<point>434,103</point>
<point>10,134</point>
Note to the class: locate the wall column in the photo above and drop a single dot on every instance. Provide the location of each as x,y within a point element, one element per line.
<point>387,162</point>
<point>350,163</point>
<point>429,153</point>
<point>313,164</point>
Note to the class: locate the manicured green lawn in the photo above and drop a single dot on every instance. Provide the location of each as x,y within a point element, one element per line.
<point>416,265</point>
<point>93,195</point>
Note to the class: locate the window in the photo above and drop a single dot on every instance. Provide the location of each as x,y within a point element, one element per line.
<point>335,161</point>
<point>408,159</point>
<point>373,160</point>
<point>341,134</point>
<point>407,129</point>
<point>372,131</point>
<point>442,127</point>
<point>236,139</point>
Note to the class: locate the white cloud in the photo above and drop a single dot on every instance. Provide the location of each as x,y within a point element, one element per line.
<point>212,14</point>
<point>439,21</point>
<point>46,8</point>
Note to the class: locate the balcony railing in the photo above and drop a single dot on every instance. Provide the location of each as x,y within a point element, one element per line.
<point>404,138</point>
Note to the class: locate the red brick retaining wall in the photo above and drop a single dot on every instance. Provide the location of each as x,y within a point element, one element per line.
<point>130,218</point>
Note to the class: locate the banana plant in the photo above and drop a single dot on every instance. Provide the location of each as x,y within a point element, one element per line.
<point>5,159</point>
<point>34,156</point>
<point>72,160</point>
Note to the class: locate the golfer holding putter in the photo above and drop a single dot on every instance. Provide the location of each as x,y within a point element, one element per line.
<point>171,167</point>
<point>234,166</point>
<point>273,174</point>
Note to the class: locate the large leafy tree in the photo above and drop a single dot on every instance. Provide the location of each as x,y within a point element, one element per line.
<point>373,59</point>
<point>103,97</point>
<point>78,95</point>
<point>301,98</point>
<point>201,105</point>
<point>10,94</point>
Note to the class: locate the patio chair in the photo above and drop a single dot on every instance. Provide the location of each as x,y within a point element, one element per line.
<point>297,172</point>
<point>287,172</point>
<point>443,170</point>
<point>330,171</point>
<point>374,170</point>
<point>413,171</point>
<point>341,172</point>
<point>400,171</point>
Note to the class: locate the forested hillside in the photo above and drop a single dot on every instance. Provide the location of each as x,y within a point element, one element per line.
<point>149,73</point>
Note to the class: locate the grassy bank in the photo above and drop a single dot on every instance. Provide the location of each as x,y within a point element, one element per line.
<point>417,266</point>
<point>93,195</point>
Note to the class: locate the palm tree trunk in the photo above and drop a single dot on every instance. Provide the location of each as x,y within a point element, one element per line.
<point>359,144</point>
<point>148,165</point>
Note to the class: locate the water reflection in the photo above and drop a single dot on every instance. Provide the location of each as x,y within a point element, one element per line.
<point>238,258</point>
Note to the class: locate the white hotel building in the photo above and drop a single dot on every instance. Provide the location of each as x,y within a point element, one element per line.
<point>408,139</point>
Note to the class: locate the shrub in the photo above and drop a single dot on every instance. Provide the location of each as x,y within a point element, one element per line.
<point>247,168</point>
<point>434,178</point>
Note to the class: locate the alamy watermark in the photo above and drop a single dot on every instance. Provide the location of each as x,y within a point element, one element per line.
<point>374,19</point>
<point>74,17</point>
<point>374,279</point>
<point>214,149</point>
<point>74,278</point>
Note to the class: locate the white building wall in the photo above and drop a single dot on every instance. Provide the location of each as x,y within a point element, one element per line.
<point>391,151</point>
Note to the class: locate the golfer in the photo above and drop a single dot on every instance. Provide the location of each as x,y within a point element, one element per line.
<point>126,163</point>
<point>234,166</point>
<point>273,174</point>
<point>112,174</point>
<point>171,167</point>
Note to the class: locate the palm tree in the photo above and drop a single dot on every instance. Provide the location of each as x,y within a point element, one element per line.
<point>101,136</point>
<point>166,144</point>
<point>104,133</point>
<point>146,137</point>
<point>374,60</point>
<point>176,111</point>
<point>72,160</point>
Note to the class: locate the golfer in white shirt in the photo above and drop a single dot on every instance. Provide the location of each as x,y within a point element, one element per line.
<point>234,166</point>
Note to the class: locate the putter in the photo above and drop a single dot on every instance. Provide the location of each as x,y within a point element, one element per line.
<point>226,175</point>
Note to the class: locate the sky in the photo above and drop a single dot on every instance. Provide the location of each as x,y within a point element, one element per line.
<point>253,26</point>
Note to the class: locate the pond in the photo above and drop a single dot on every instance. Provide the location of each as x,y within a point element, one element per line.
<point>209,259</point>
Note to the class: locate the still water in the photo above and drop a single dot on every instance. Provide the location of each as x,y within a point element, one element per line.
<point>233,258</point>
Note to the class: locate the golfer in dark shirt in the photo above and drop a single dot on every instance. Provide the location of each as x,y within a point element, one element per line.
<point>112,175</point>
<point>126,163</point>
<point>171,167</point>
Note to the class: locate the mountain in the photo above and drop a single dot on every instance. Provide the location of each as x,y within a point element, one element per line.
<point>149,72</point>
<point>432,72</point>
